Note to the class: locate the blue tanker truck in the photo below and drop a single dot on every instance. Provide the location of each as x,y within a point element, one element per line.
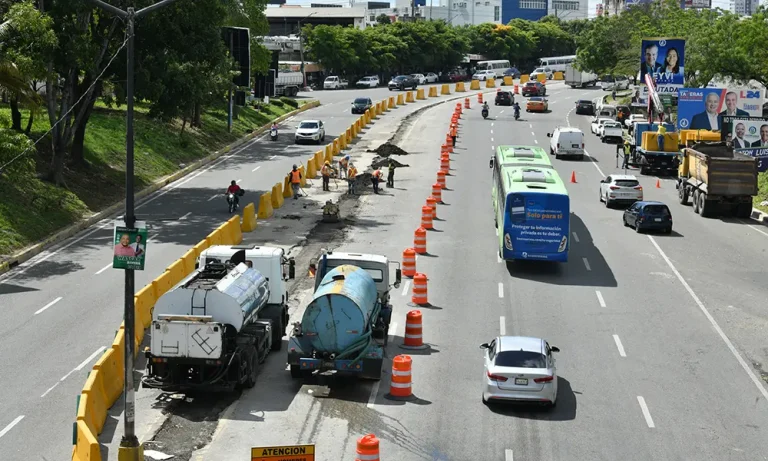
<point>345,327</point>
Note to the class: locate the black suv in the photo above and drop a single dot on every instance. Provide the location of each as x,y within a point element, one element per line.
<point>534,89</point>
<point>585,106</point>
<point>360,105</point>
<point>401,82</point>
<point>504,98</point>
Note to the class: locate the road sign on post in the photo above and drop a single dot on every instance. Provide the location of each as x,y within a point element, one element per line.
<point>284,453</point>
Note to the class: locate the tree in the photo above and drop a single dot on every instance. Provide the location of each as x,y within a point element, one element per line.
<point>502,42</point>
<point>383,19</point>
<point>14,165</point>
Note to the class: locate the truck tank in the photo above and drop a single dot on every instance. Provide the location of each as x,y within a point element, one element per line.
<point>341,309</point>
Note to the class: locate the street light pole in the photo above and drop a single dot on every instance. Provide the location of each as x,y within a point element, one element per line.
<point>301,50</point>
<point>129,444</point>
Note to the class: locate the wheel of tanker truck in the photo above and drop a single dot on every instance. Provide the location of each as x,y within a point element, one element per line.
<point>249,366</point>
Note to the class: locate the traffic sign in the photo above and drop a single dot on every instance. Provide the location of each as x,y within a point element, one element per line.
<point>284,453</point>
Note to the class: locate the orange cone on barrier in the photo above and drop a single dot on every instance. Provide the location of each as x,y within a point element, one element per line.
<point>444,149</point>
<point>445,165</point>
<point>573,177</point>
<point>448,139</point>
<point>413,333</point>
<point>426,217</point>
<point>466,103</point>
<point>432,203</point>
<point>441,179</point>
<point>420,242</point>
<point>409,260</point>
<point>437,192</point>
<point>400,383</point>
<point>419,296</point>
<point>480,98</point>
<point>517,89</point>
<point>658,184</point>
<point>368,448</point>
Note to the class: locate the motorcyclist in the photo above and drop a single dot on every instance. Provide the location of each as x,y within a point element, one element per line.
<point>234,189</point>
<point>517,110</point>
<point>274,126</point>
<point>273,131</point>
<point>486,108</point>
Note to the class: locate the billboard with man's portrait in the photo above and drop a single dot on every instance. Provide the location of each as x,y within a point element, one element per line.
<point>130,245</point>
<point>703,108</point>
<point>664,59</point>
<point>749,136</point>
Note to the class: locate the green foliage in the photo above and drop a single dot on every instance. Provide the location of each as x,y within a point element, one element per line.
<point>277,102</point>
<point>11,145</point>
<point>291,102</point>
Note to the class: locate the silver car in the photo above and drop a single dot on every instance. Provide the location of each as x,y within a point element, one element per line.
<point>310,131</point>
<point>519,369</point>
<point>620,188</point>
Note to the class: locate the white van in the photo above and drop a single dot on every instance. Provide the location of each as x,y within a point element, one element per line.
<point>566,141</point>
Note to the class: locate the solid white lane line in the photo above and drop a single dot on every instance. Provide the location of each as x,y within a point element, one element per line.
<point>586,264</point>
<point>103,269</point>
<point>619,346</point>
<point>595,164</point>
<point>508,455</point>
<point>183,218</point>
<point>273,157</point>
<point>754,228</point>
<point>255,168</point>
<point>10,426</point>
<point>48,305</point>
<point>501,290</point>
<point>646,413</point>
<point>600,298</point>
<point>406,286</point>
<point>502,326</point>
<point>84,362</point>
<point>576,237</point>
<point>712,321</point>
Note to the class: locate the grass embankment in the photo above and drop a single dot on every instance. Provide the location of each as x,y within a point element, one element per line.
<point>32,209</point>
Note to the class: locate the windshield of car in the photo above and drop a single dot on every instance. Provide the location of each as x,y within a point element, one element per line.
<point>330,79</point>
<point>535,99</point>
<point>539,70</point>
<point>361,101</point>
<point>584,102</point>
<point>656,210</point>
<point>612,125</point>
<point>626,182</point>
<point>308,125</point>
<point>520,359</point>
<point>400,77</point>
<point>530,84</point>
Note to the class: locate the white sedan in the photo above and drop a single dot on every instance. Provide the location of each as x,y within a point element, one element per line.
<point>420,78</point>
<point>370,82</point>
<point>519,369</point>
<point>431,77</point>
<point>483,75</point>
<point>597,122</point>
<point>310,131</point>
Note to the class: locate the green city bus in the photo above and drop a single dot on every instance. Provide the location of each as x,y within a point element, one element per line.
<point>521,155</point>
<point>532,213</point>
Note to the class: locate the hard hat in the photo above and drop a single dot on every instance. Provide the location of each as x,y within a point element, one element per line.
<point>294,167</point>
<point>346,157</point>
<point>327,162</point>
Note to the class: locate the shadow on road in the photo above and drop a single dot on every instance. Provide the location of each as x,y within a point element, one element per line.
<point>565,409</point>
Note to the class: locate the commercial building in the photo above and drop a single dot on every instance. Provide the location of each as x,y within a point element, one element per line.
<point>287,20</point>
<point>745,7</point>
<point>454,12</point>
<point>534,10</point>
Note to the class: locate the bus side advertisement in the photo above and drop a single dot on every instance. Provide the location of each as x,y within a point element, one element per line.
<point>536,227</point>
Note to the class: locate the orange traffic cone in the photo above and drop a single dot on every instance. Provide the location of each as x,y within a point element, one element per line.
<point>658,184</point>
<point>573,177</point>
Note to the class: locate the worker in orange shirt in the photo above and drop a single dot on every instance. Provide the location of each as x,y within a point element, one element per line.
<point>351,175</point>
<point>376,178</point>
<point>343,166</point>
<point>326,174</point>
<point>295,182</point>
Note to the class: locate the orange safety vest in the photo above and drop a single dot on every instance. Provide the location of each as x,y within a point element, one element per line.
<point>352,173</point>
<point>326,171</point>
<point>295,177</point>
<point>377,174</point>
<point>344,162</point>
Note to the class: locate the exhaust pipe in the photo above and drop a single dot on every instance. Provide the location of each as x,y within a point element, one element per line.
<point>332,356</point>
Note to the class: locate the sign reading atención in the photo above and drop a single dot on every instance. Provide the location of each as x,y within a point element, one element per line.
<point>284,453</point>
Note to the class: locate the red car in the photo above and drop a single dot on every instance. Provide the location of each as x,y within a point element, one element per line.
<point>534,89</point>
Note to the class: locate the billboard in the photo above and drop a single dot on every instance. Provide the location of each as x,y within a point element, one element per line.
<point>749,136</point>
<point>599,9</point>
<point>702,108</point>
<point>664,59</point>
<point>696,4</point>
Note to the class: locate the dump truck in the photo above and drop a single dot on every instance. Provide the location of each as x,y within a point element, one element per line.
<point>213,330</point>
<point>644,153</point>
<point>717,178</point>
<point>345,327</point>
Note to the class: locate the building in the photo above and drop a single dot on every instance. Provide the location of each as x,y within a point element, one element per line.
<point>533,10</point>
<point>454,12</point>
<point>745,7</point>
<point>569,10</point>
<point>287,20</point>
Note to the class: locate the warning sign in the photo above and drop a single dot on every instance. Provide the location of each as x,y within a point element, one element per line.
<point>284,453</point>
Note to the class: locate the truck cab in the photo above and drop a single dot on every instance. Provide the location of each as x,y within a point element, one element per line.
<point>377,266</point>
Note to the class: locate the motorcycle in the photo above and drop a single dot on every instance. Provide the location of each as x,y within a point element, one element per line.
<point>485,113</point>
<point>233,200</point>
<point>273,134</point>
<point>517,114</point>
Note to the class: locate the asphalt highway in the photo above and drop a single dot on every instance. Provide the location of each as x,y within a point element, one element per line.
<point>62,308</point>
<point>661,336</point>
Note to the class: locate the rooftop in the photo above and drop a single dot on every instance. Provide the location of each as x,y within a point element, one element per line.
<point>304,12</point>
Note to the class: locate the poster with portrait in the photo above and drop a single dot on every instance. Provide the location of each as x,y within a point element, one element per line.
<point>744,102</point>
<point>130,245</point>
<point>664,59</point>
<point>749,136</point>
<point>700,108</point>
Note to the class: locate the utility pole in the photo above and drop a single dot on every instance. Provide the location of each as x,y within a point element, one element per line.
<point>230,105</point>
<point>301,49</point>
<point>129,444</point>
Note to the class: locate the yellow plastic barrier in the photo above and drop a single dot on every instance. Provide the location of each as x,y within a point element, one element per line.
<point>336,148</point>
<point>474,85</point>
<point>143,302</point>
<point>409,96</point>
<point>249,218</point>
<point>214,238</point>
<point>400,99</point>
<point>445,89</point>
<point>118,347</point>
<point>524,78</point>
<point>277,196</point>
<point>391,104</point>
<point>384,106</point>
<point>235,230</point>
<point>541,77</point>
<point>87,445</point>
<point>432,91</point>
<point>311,170</point>
<point>559,76</point>
<point>202,245</point>
<point>287,187</point>
<point>381,107</point>
<point>508,80</point>
<point>329,151</point>
<point>188,260</point>
<point>420,94</point>
<point>348,137</point>
<point>303,180</point>
<point>460,87</point>
<point>490,83</point>
<point>177,267</point>
<point>163,283</point>
<point>93,403</point>
<point>112,375</point>
<point>265,206</point>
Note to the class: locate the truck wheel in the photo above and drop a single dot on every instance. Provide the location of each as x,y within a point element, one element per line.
<point>705,207</point>
<point>250,368</point>
<point>682,195</point>
<point>744,210</point>
<point>695,201</point>
<point>296,372</point>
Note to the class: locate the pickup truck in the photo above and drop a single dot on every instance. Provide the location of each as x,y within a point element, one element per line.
<point>334,83</point>
<point>597,124</point>
<point>611,133</point>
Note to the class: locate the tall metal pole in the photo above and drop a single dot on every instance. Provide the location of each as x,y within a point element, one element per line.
<point>129,444</point>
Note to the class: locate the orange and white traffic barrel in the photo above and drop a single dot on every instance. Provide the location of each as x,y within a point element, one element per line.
<point>480,98</point>
<point>367,448</point>
<point>419,296</point>
<point>420,242</point>
<point>409,259</point>
<point>413,331</point>
<point>426,217</point>
<point>437,192</point>
<point>466,103</point>
<point>441,179</point>
<point>432,203</point>
<point>400,384</point>
<point>445,163</point>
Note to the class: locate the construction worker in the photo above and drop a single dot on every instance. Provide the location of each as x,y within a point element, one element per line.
<point>326,173</point>
<point>626,154</point>
<point>376,178</point>
<point>453,135</point>
<point>295,181</point>
<point>660,136</point>
<point>391,174</point>
<point>351,174</point>
<point>343,166</point>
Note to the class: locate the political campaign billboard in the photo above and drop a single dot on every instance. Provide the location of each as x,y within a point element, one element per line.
<point>701,108</point>
<point>664,59</point>
<point>749,136</point>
